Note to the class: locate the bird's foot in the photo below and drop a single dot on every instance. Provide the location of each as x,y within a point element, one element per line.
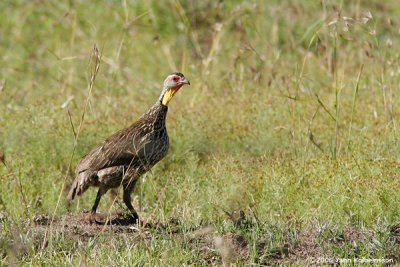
<point>92,218</point>
<point>134,218</point>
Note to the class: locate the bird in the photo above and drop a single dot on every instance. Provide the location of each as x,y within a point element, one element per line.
<point>129,153</point>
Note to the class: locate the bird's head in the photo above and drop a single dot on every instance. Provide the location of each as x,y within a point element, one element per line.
<point>172,84</point>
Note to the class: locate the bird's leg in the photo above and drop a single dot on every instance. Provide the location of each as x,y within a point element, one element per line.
<point>127,199</point>
<point>92,216</point>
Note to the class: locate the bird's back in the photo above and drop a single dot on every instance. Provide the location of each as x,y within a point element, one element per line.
<point>145,142</point>
<point>135,149</point>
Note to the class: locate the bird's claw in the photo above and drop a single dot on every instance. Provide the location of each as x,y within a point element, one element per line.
<point>91,218</point>
<point>134,218</point>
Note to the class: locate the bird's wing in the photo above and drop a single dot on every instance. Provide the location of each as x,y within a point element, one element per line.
<point>122,148</point>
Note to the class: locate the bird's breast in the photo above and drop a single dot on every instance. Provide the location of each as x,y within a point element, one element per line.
<point>152,147</point>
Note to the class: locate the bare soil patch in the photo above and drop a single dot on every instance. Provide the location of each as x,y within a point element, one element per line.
<point>214,247</point>
<point>79,226</point>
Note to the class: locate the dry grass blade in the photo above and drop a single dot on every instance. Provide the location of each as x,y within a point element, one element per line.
<point>214,46</point>
<point>310,133</point>
<point>324,107</point>
<point>191,34</point>
<point>95,60</point>
<point>353,106</point>
<point>72,124</point>
<point>128,23</point>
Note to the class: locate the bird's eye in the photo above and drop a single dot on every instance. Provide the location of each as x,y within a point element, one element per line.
<point>176,79</point>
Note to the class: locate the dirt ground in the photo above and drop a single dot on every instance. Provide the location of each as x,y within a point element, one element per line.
<point>78,226</point>
<point>226,246</point>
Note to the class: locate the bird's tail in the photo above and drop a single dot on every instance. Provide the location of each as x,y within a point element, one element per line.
<point>82,182</point>
<point>72,191</point>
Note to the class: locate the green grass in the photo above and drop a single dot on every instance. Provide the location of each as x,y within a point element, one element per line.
<point>291,120</point>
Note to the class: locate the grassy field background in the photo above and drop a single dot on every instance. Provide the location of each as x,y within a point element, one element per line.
<point>284,148</point>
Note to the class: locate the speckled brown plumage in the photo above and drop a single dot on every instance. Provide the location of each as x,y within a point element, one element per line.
<point>127,154</point>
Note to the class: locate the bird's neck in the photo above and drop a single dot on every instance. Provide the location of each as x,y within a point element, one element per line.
<point>167,94</point>
<point>158,114</point>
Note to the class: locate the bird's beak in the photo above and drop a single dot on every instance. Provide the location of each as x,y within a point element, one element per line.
<point>184,81</point>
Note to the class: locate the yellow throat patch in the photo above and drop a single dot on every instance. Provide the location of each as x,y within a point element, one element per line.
<point>168,95</point>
